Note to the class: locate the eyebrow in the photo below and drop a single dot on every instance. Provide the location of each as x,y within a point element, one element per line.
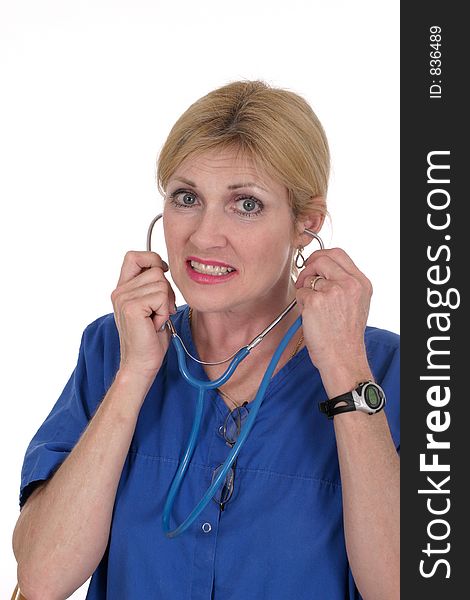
<point>234,186</point>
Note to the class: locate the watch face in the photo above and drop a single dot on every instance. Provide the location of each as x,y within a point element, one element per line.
<point>372,396</point>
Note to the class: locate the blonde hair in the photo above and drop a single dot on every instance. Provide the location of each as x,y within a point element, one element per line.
<point>274,127</point>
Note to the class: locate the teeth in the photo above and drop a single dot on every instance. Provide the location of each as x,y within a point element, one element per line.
<point>210,269</point>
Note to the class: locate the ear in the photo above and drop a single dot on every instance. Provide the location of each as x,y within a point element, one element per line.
<point>313,221</point>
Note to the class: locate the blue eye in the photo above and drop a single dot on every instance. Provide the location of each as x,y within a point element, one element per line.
<point>188,199</point>
<point>249,204</point>
<point>251,207</point>
<point>183,199</point>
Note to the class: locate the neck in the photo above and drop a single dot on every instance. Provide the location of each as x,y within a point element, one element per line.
<point>220,334</point>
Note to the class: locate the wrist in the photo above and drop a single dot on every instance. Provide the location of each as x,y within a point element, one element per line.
<point>338,379</point>
<point>368,397</point>
<point>136,371</point>
<point>137,383</point>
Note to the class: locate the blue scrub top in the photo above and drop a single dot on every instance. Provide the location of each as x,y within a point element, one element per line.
<point>281,535</point>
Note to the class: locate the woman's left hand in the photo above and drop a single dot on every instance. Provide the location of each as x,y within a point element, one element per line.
<point>334,314</point>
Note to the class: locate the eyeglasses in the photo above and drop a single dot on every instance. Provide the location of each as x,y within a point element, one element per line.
<point>230,430</point>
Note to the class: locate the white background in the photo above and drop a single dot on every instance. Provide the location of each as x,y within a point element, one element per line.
<point>88,93</point>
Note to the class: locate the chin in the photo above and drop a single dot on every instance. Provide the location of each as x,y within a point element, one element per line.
<point>206,305</point>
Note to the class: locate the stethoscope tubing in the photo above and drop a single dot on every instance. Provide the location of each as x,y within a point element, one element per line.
<point>232,456</point>
<point>202,386</point>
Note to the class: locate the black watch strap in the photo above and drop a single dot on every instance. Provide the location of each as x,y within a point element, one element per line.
<point>330,407</point>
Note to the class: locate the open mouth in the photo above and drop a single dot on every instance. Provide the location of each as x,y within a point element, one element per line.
<point>208,269</point>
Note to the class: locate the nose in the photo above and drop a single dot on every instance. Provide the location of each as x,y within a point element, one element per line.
<point>209,230</point>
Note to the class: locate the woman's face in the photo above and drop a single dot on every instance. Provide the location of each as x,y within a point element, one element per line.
<point>229,232</point>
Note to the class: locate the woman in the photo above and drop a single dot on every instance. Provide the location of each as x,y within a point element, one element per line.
<point>310,509</point>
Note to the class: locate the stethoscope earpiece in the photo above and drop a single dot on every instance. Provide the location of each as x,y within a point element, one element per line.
<point>150,230</point>
<point>317,237</point>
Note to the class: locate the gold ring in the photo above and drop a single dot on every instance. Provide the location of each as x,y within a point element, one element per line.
<point>314,280</point>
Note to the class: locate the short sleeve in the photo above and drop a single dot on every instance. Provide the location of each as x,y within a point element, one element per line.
<point>391,386</point>
<point>97,362</point>
<point>383,348</point>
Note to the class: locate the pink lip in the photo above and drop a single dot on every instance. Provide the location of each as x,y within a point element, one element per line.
<point>216,263</point>
<point>205,278</point>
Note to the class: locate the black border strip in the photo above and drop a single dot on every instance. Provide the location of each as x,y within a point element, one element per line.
<point>434,132</point>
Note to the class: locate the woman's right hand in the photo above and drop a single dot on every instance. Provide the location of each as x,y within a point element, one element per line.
<point>143,301</point>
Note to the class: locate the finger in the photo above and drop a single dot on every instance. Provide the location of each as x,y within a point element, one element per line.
<point>135,262</point>
<point>150,275</point>
<point>305,297</point>
<point>332,263</point>
<point>316,283</point>
<point>163,287</point>
<point>160,309</point>
<point>339,256</point>
<point>133,293</point>
<point>160,328</point>
<point>153,304</point>
<point>333,290</point>
<point>160,287</point>
<point>321,265</point>
<point>320,298</point>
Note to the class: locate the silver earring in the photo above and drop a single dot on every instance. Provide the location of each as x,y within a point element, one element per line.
<point>299,258</point>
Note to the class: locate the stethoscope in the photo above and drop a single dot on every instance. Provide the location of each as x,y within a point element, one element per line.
<point>202,386</point>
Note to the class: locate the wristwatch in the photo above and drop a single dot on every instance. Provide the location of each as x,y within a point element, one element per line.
<point>368,397</point>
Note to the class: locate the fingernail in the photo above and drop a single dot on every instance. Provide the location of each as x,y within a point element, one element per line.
<point>163,326</point>
<point>165,265</point>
